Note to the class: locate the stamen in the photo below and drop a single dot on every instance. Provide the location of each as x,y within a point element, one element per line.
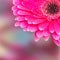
<point>52,8</point>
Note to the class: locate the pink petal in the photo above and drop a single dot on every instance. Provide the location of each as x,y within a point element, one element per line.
<point>34,20</point>
<point>43,26</point>
<point>32,28</point>
<point>46,38</point>
<point>58,20</point>
<point>56,27</point>
<point>39,34</point>
<point>55,36</point>
<point>22,7</point>
<point>20,18</point>
<point>30,4</point>
<point>51,27</point>
<point>16,2</point>
<point>17,24</point>
<point>36,38</point>
<point>57,42</point>
<point>23,24</point>
<point>15,10</point>
<point>46,33</point>
<point>23,12</point>
<point>37,21</point>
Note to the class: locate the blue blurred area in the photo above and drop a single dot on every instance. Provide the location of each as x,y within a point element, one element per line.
<point>22,37</point>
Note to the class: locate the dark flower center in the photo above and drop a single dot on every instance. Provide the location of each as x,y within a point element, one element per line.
<point>52,8</point>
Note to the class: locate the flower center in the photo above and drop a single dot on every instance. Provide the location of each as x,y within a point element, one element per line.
<point>52,8</point>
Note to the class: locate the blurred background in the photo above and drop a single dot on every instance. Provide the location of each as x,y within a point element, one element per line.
<point>15,44</point>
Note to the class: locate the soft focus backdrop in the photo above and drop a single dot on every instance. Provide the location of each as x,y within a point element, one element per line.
<point>16,44</point>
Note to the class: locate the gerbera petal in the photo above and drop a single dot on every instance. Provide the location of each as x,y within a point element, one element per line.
<point>19,18</point>
<point>43,26</point>
<point>57,27</point>
<point>22,7</point>
<point>17,24</point>
<point>23,24</point>
<point>58,20</point>
<point>34,20</point>
<point>46,38</point>
<point>30,3</point>
<point>55,36</point>
<point>36,38</point>
<point>51,27</point>
<point>46,33</point>
<point>57,42</point>
<point>16,2</point>
<point>23,12</point>
<point>39,34</point>
<point>15,10</point>
<point>31,28</point>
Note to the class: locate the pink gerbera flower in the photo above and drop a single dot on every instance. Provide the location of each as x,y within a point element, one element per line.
<point>39,16</point>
